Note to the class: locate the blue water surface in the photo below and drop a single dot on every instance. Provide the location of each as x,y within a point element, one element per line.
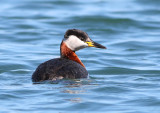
<point>125,78</point>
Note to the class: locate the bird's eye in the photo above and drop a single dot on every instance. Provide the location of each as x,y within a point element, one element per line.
<point>81,38</point>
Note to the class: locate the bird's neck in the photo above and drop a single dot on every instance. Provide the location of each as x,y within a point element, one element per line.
<point>69,54</point>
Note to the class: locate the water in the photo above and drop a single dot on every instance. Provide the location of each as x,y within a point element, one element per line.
<point>123,79</point>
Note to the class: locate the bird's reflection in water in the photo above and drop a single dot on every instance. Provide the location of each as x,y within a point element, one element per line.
<point>74,86</point>
<point>75,100</point>
<point>70,90</point>
<point>73,92</point>
<point>74,89</point>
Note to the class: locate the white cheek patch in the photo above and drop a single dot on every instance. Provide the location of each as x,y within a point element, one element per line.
<point>74,43</point>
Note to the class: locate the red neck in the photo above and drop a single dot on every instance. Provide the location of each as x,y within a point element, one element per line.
<point>69,54</point>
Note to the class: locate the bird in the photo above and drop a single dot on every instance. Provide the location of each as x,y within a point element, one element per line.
<point>68,66</point>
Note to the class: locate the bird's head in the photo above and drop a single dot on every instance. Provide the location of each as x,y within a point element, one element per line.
<point>76,39</point>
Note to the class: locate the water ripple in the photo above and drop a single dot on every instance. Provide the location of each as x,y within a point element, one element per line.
<point>124,78</point>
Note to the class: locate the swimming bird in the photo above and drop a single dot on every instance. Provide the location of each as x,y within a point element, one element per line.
<point>68,66</point>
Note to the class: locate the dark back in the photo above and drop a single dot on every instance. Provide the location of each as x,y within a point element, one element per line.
<point>59,68</point>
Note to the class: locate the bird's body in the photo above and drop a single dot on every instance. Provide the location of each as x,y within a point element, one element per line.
<point>68,66</point>
<point>59,68</point>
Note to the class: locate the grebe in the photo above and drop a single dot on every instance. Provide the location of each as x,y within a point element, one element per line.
<point>68,66</point>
